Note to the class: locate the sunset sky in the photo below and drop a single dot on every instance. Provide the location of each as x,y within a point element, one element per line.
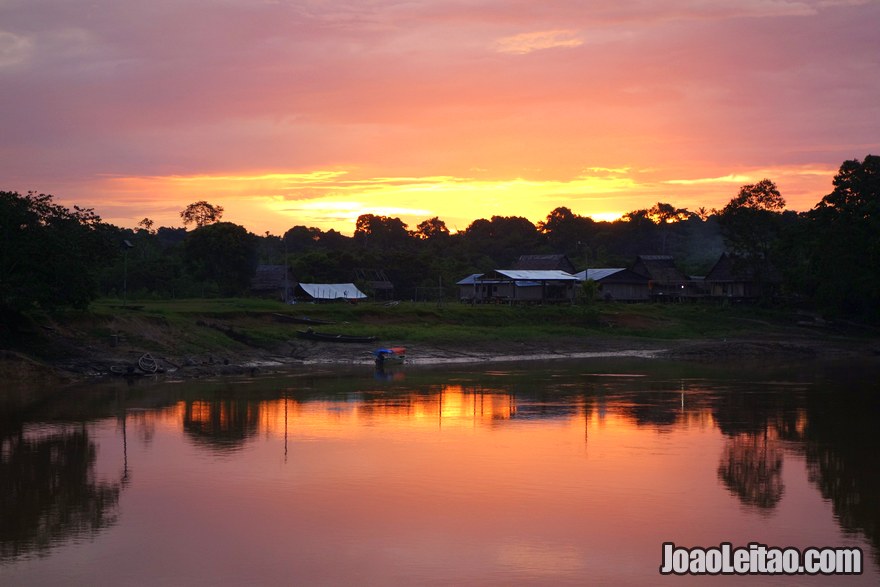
<point>313,112</point>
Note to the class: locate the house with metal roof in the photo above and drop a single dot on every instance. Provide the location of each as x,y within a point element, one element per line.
<point>617,284</point>
<point>526,286</point>
<point>472,289</point>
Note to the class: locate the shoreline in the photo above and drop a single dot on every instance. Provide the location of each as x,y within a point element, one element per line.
<point>226,339</point>
<point>96,363</point>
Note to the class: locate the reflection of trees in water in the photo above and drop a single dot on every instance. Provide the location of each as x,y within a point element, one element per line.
<point>222,424</point>
<point>655,409</point>
<point>751,460</point>
<point>835,427</point>
<point>842,441</point>
<point>49,493</point>
<point>751,468</point>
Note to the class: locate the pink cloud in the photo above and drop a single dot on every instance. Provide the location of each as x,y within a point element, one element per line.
<point>419,88</point>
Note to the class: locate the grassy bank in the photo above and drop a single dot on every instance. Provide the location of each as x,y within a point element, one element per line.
<point>249,327</point>
<point>216,322</point>
<point>259,321</point>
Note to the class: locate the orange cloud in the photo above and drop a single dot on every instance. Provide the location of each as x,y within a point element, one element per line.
<point>528,42</point>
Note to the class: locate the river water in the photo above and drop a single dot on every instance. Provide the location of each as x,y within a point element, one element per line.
<point>554,473</point>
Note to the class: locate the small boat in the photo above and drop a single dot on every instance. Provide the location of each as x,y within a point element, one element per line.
<point>327,337</point>
<point>395,355</point>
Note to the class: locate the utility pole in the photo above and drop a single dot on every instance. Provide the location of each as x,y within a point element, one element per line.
<point>126,244</point>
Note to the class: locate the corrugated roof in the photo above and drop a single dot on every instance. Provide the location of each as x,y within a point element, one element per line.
<point>597,274</point>
<point>536,275</point>
<point>333,291</point>
<point>470,279</point>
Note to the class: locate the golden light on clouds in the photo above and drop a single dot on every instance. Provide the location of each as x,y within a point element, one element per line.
<point>334,198</point>
<point>732,178</point>
<point>535,41</point>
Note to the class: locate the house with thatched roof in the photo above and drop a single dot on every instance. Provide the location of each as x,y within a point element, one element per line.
<point>273,281</point>
<point>738,279</point>
<point>665,280</point>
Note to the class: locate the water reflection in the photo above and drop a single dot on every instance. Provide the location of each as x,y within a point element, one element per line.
<point>49,490</point>
<point>545,468</point>
<point>840,438</point>
<point>751,468</point>
<point>221,424</point>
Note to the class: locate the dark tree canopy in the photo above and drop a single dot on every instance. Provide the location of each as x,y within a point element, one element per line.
<point>431,228</point>
<point>301,238</point>
<point>564,226</point>
<point>503,238</point>
<point>49,254</point>
<point>223,253</point>
<point>856,191</point>
<point>844,241</point>
<point>201,214</point>
<point>830,256</point>
<point>751,221</point>
<point>380,231</point>
<point>763,195</point>
<point>146,224</point>
<point>663,213</point>
<point>752,225</point>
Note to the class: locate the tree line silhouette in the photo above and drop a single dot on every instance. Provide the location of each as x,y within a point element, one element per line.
<point>828,257</point>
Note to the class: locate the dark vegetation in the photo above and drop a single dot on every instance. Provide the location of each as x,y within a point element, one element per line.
<point>829,257</point>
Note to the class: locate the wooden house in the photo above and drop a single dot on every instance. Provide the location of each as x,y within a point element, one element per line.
<point>617,284</point>
<point>665,280</point>
<point>376,282</point>
<point>525,286</point>
<point>273,281</point>
<point>472,289</point>
<point>736,279</point>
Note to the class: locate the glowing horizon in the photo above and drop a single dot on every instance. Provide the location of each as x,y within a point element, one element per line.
<point>333,199</point>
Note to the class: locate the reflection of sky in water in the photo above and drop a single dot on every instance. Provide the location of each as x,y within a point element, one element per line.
<point>569,479</point>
